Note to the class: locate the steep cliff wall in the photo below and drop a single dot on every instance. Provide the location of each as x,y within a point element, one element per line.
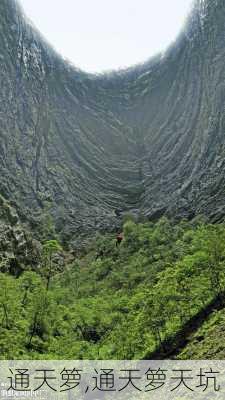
<point>150,139</point>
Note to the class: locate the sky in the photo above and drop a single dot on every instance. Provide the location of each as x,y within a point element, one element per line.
<point>101,35</point>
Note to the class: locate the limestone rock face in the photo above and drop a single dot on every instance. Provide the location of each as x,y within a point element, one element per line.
<point>150,139</point>
<point>18,250</point>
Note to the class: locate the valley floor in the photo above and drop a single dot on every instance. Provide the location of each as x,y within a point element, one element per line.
<point>159,294</point>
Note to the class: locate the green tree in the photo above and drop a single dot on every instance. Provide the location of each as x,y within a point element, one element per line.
<point>50,249</point>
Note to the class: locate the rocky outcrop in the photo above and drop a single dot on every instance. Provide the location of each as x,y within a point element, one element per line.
<point>18,250</point>
<point>150,140</point>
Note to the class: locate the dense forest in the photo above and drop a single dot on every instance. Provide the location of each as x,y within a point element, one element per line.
<point>159,293</point>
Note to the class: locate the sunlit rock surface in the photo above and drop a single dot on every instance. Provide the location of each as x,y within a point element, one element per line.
<point>150,140</point>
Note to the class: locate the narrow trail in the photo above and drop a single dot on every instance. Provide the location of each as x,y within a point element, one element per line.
<point>172,346</point>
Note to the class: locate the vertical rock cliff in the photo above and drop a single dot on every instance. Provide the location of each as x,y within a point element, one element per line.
<point>88,148</point>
